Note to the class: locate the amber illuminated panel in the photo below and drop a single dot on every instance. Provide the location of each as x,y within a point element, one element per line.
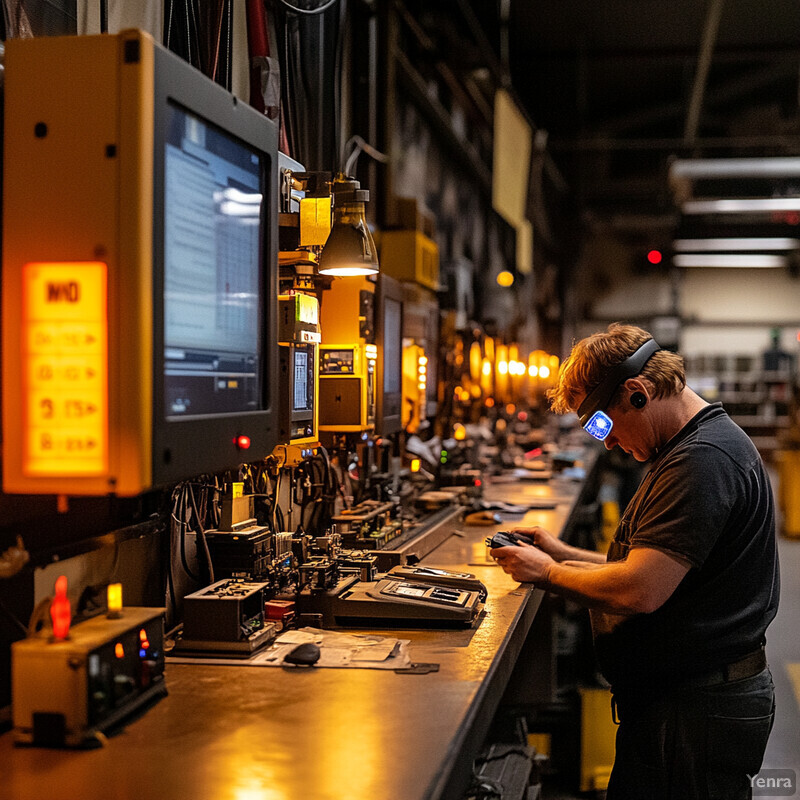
<point>65,345</point>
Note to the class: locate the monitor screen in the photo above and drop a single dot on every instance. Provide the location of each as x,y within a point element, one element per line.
<point>389,335</point>
<point>213,233</point>
<point>392,347</point>
<point>303,383</point>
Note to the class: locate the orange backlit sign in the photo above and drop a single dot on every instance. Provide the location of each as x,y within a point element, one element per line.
<point>65,346</point>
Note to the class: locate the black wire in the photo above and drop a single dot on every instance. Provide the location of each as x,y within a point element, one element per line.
<point>309,12</point>
<point>180,517</point>
<point>14,619</point>
<point>202,534</point>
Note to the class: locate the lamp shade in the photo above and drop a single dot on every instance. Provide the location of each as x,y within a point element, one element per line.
<point>349,249</point>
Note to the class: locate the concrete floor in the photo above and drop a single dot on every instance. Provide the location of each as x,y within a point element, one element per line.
<point>783,651</point>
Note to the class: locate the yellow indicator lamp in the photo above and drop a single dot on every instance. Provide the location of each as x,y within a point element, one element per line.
<point>114,600</point>
<point>505,279</point>
<point>119,650</point>
<point>415,464</point>
<point>459,432</point>
<point>475,359</point>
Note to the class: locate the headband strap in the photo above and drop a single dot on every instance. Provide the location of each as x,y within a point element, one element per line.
<point>601,395</point>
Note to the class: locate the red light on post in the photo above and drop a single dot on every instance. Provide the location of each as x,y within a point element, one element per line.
<point>60,609</point>
<point>242,442</point>
<point>654,256</point>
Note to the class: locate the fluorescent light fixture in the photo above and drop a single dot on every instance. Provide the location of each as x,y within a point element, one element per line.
<point>728,260</point>
<point>755,243</point>
<point>740,205</point>
<point>779,167</point>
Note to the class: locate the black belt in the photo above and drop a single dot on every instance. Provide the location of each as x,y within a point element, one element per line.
<point>745,667</point>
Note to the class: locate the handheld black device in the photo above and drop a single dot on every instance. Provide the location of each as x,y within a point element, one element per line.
<point>507,539</point>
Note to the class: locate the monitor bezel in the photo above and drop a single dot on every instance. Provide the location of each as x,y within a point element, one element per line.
<point>188,446</point>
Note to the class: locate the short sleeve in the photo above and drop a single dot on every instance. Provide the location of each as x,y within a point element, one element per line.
<point>689,505</point>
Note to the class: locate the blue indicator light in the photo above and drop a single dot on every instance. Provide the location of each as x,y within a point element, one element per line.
<point>142,653</point>
<point>599,425</point>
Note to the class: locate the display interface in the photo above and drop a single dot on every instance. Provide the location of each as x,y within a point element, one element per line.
<point>392,356</point>
<point>213,234</point>
<point>303,395</point>
<point>392,349</point>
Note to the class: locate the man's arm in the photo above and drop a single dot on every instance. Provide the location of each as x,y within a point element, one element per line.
<point>639,585</point>
<point>558,550</point>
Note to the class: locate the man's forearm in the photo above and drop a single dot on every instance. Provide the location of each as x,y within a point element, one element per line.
<point>579,554</point>
<point>592,585</point>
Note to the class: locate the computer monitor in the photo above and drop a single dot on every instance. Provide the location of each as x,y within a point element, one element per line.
<point>139,270</point>
<point>216,174</point>
<point>389,338</point>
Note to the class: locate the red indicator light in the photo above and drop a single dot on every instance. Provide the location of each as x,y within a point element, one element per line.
<point>478,482</point>
<point>242,442</point>
<point>60,610</point>
<point>654,256</point>
<point>522,416</point>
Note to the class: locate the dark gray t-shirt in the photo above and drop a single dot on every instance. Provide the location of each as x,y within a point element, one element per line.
<point>706,499</point>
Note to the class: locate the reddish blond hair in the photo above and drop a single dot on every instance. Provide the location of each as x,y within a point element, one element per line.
<point>590,357</point>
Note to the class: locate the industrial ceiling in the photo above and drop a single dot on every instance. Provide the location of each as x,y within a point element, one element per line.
<point>623,88</point>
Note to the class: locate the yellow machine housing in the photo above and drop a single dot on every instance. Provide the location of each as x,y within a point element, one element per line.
<point>414,385</point>
<point>348,357</point>
<point>420,349</point>
<point>410,256</point>
<point>64,691</point>
<point>299,336</point>
<point>82,149</point>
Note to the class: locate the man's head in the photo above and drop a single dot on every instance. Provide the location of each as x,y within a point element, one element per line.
<point>649,373</point>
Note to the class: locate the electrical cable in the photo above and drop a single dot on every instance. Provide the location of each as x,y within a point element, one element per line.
<point>14,619</point>
<point>308,12</point>
<point>361,146</point>
<point>202,534</point>
<point>180,519</point>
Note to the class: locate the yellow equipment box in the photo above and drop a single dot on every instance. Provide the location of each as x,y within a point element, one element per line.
<point>139,269</point>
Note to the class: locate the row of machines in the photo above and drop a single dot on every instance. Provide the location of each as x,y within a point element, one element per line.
<point>270,580</point>
<point>166,315</point>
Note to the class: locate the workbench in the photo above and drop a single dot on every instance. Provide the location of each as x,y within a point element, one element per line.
<point>244,733</point>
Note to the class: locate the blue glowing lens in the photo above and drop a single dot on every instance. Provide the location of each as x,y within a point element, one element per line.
<point>599,425</point>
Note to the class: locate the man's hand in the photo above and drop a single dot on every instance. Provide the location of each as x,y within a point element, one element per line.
<point>545,541</point>
<point>524,563</point>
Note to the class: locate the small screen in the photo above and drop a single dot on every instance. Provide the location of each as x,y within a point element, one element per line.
<point>303,399</point>
<point>392,346</point>
<point>213,231</point>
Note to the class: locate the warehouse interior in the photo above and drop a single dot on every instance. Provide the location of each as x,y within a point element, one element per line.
<point>516,176</point>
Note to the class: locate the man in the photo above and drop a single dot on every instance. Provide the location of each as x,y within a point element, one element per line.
<point>681,603</point>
